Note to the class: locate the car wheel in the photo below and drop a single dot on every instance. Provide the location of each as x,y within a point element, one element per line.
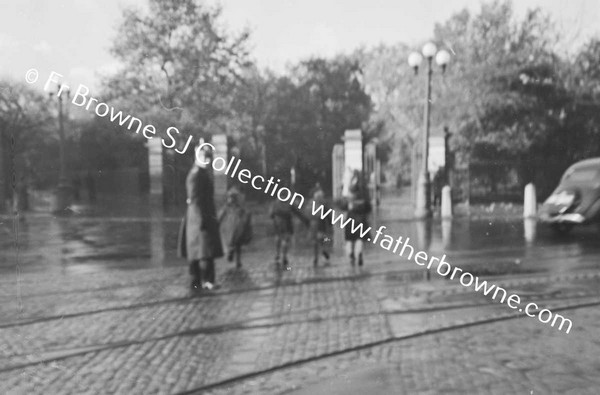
<point>561,229</point>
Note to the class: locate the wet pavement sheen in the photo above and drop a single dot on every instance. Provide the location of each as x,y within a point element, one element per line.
<point>98,302</point>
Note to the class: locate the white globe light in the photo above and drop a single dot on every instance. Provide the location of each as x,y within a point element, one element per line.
<point>442,58</point>
<point>429,50</point>
<point>414,59</point>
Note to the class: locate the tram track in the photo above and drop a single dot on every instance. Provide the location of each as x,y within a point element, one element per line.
<point>398,275</point>
<point>459,255</point>
<point>366,346</point>
<point>247,324</point>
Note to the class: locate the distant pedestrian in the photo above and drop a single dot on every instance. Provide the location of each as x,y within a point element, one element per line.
<point>438,184</point>
<point>199,236</point>
<point>282,214</point>
<point>315,188</point>
<point>236,225</point>
<point>357,206</point>
<point>321,229</point>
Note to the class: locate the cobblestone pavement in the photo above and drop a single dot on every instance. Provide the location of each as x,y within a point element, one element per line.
<point>509,357</point>
<point>95,328</point>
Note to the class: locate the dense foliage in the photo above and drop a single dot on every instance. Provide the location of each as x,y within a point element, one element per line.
<point>508,94</point>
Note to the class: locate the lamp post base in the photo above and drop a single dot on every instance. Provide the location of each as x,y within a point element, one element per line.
<point>423,206</point>
<point>63,198</point>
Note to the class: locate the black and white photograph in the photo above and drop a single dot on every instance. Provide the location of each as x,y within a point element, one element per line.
<point>315,197</point>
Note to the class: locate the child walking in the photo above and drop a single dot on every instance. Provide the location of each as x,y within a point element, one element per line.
<point>235,225</point>
<point>321,229</point>
<point>358,207</point>
<point>282,215</point>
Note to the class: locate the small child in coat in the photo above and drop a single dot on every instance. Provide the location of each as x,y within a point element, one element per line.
<point>357,206</point>
<point>321,229</point>
<point>235,225</point>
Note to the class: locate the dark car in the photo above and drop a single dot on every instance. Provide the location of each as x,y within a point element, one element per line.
<point>576,200</point>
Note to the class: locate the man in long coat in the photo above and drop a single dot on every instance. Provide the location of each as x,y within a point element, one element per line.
<point>199,238</point>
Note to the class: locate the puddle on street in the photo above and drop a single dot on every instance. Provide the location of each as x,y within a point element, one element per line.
<point>485,247</point>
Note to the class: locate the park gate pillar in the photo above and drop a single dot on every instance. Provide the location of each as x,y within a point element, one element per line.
<point>219,141</point>
<point>337,170</point>
<point>155,171</point>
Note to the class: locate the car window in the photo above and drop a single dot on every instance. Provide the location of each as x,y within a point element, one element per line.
<point>577,175</point>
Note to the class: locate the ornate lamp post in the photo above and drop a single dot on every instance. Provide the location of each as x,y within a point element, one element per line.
<point>64,191</point>
<point>423,198</point>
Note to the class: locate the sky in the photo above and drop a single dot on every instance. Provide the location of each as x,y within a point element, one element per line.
<point>73,37</point>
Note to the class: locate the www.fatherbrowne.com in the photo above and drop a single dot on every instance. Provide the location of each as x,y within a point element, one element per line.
<point>443,268</point>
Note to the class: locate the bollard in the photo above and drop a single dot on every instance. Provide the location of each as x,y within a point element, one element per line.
<point>446,202</point>
<point>529,225</point>
<point>446,232</point>
<point>530,203</point>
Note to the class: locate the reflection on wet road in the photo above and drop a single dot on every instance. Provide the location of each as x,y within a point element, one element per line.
<point>84,244</point>
<point>60,248</point>
<point>87,290</point>
<point>63,249</point>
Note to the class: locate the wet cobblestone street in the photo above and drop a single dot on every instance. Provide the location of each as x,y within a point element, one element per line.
<point>98,309</point>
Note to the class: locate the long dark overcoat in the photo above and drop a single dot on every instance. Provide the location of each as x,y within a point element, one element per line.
<point>199,236</point>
